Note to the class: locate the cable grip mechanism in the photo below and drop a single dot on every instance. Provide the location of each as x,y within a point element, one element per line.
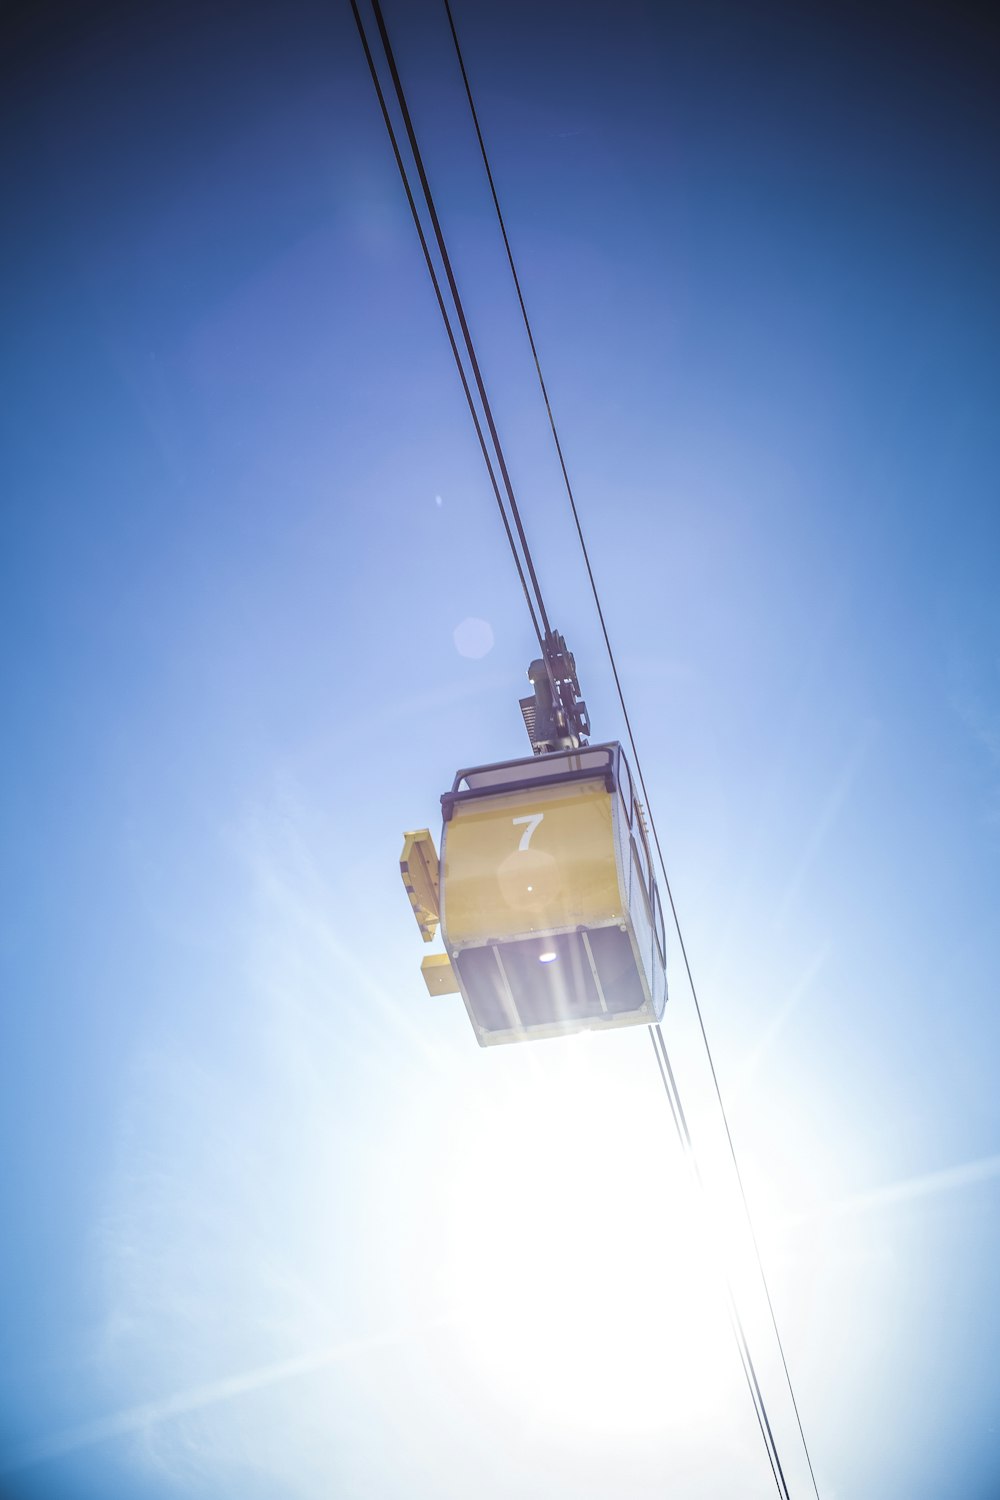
<point>555,715</point>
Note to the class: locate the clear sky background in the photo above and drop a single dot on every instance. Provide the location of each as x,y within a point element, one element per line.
<point>274,1226</point>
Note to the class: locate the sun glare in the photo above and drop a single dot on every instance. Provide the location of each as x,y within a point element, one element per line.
<point>583,1297</point>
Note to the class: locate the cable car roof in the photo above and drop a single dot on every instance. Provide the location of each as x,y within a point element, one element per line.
<point>535,770</point>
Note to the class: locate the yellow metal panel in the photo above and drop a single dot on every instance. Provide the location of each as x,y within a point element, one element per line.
<point>439,976</point>
<point>530,861</point>
<point>418,865</point>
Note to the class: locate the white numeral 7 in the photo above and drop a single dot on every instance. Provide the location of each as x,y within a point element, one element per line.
<point>532,820</point>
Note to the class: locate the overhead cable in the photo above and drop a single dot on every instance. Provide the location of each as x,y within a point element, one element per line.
<point>526,572</point>
<point>480,385</point>
<point>739,1333</point>
<point>628,727</point>
<point>445,318</point>
<point>523,560</point>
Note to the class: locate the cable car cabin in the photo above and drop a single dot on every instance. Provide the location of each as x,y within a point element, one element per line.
<point>549,912</point>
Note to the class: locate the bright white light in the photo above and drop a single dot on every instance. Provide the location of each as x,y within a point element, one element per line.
<point>547,958</point>
<point>583,1293</point>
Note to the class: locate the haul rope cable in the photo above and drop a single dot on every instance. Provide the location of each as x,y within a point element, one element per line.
<point>753,1383</point>
<point>676,1108</point>
<point>447,323</point>
<point>631,737</point>
<point>463,323</point>
<point>739,1333</point>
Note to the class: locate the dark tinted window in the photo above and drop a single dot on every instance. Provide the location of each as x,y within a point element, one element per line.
<point>661,938</point>
<point>640,855</point>
<point>625,787</point>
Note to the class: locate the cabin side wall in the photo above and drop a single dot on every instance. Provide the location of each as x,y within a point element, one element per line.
<point>545,909</point>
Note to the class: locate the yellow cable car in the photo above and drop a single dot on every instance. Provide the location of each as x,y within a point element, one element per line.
<point>549,912</point>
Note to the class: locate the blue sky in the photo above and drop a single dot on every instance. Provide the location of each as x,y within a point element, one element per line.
<point>274,1224</point>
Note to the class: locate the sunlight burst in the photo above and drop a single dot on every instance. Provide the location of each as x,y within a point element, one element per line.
<point>574,1260</point>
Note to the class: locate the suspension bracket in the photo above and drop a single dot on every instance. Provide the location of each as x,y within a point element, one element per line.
<point>555,715</point>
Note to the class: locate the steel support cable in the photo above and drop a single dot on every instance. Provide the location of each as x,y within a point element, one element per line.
<point>466,334</point>
<point>744,1349</point>
<point>445,319</point>
<point>517,283</point>
<point>739,1333</point>
<point>631,737</point>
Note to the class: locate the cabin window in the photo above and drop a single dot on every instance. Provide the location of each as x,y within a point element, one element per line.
<point>661,937</point>
<point>625,788</point>
<point>641,859</point>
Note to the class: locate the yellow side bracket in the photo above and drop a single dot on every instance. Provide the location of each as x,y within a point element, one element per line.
<point>418,865</point>
<point>439,976</point>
